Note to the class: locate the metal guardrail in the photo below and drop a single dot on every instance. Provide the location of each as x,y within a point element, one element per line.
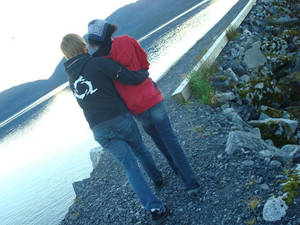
<point>183,91</point>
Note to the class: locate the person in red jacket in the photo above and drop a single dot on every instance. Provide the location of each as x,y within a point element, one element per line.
<point>144,100</point>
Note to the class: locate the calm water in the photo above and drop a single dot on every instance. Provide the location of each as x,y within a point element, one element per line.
<point>41,159</point>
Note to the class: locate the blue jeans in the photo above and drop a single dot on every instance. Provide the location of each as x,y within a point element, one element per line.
<point>156,123</point>
<point>123,141</point>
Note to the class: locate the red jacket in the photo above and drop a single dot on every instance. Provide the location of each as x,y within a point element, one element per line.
<point>128,52</point>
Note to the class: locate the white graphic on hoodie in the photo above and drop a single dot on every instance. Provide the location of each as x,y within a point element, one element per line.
<point>89,88</point>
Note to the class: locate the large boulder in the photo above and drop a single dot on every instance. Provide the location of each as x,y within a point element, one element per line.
<point>280,131</point>
<point>241,140</point>
<point>254,57</point>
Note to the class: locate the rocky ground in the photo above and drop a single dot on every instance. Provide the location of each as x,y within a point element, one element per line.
<point>239,172</point>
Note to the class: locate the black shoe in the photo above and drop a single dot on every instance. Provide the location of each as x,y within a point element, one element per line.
<point>159,183</point>
<point>159,215</point>
<point>176,172</point>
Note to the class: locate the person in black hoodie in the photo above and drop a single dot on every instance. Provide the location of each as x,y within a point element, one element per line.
<point>113,127</point>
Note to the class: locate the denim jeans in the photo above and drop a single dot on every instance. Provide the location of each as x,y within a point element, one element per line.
<point>156,123</point>
<point>123,141</point>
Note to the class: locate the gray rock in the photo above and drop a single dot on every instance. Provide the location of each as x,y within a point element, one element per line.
<point>79,187</point>
<point>239,122</point>
<point>287,20</point>
<point>264,187</point>
<point>230,74</point>
<point>269,142</point>
<point>244,78</point>
<point>285,128</point>
<point>263,116</point>
<point>266,154</point>
<point>241,139</point>
<point>254,57</point>
<point>275,164</point>
<point>95,155</point>
<point>248,163</point>
<point>225,97</point>
<point>287,152</point>
<point>274,209</point>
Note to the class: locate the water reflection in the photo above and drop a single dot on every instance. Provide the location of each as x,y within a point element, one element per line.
<point>168,48</point>
<point>59,126</point>
<point>56,142</point>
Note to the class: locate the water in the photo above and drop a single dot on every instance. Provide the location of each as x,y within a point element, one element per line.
<point>40,159</point>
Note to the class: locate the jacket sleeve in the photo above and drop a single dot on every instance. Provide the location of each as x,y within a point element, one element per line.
<point>116,71</point>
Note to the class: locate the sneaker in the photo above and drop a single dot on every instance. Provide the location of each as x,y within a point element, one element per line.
<point>159,215</point>
<point>159,183</point>
<point>194,192</point>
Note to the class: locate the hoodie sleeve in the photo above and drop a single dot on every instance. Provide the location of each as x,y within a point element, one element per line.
<point>128,52</point>
<point>116,71</point>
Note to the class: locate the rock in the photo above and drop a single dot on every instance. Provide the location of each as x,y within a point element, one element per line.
<point>79,187</point>
<point>290,85</point>
<point>95,155</point>
<point>274,209</point>
<point>286,20</point>
<point>280,131</point>
<point>225,97</point>
<point>248,163</point>
<point>254,57</point>
<point>287,153</point>
<point>296,158</point>
<point>238,122</point>
<point>275,46</point>
<point>261,90</point>
<point>294,112</point>
<point>241,139</point>
<point>231,75</point>
<point>264,187</point>
<point>263,116</point>
<point>244,78</point>
<point>247,112</point>
<point>271,112</point>
<point>275,164</point>
<point>237,67</point>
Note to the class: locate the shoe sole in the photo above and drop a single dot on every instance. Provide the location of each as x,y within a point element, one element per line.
<point>162,219</point>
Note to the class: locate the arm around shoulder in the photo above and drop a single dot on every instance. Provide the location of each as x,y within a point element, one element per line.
<point>116,71</point>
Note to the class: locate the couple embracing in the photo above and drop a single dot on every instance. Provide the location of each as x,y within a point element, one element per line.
<point>110,80</point>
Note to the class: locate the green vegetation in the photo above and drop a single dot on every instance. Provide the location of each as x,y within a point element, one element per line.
<point>232,33</point>
<point>253,203</point>
<point>201,86</point>
<point>251,222</point>
<point>288,35</point>
<point>291,186</point>
<point>279,132</point>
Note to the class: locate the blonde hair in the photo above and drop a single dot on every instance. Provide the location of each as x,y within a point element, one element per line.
<point>73,45</point>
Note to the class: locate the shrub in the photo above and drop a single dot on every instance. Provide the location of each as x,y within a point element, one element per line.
<point>201,85</point>
<point>232,33</point>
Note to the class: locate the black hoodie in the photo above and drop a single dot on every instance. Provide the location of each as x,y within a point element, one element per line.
<point>91,82</point>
